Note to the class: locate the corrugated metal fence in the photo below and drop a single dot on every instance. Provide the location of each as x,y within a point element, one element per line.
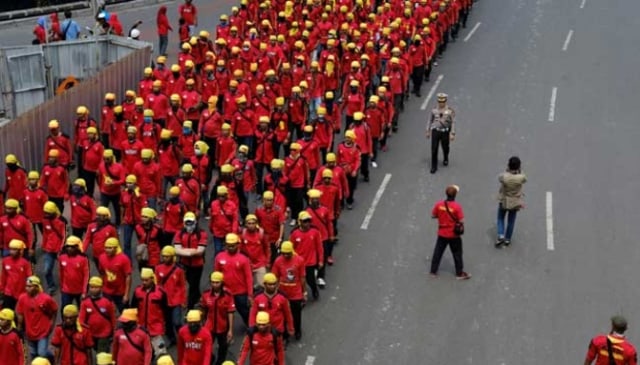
<point>26,134</point>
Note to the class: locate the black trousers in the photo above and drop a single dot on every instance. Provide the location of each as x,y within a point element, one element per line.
<point>115,201</point>
<point>398,107</point>
<point>328,250</point>
<point>296,311</point>
<point>78,232</point>
<point>439,138</point>
<point>353,184</point>
<point>295,200</point>
<point>310,272</point>
<point>223,347</point>
<point>417,76</point>
<point>374,147</point>
<point>90,178</point>
<point>364,166</point>
<point>455,245</point>
<point>260,167</point>
<point>193,275</point>
<point>59,203</point>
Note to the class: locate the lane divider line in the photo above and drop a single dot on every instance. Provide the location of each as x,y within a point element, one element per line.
<point>425,103</point>
<point>549,218</point>
<point>552,104</point>
<point>582,4</point>
<point>374,203</point>
<point>473,30</point>
<point>565,46</point>
<point>310,360</point>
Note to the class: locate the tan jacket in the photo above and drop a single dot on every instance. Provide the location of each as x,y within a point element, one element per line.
<point>510,194</point>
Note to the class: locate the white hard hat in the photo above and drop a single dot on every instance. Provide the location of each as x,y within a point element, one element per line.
<point>135,33</point>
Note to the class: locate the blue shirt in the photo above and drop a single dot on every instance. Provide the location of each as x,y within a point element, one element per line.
<point>71,29</point>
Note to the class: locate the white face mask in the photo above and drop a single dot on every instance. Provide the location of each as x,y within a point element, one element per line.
<point>198,153</point>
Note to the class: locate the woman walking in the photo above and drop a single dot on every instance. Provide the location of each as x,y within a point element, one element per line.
<point>510,198</point>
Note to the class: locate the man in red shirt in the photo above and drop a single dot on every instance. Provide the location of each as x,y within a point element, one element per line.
<point>131,344</point>
<point>115,268</point>
<point>56,140</point>
<point>236,269</point>
<point>15,270</point>
<point>363,141</point>
<point>111,175</point>
<point>54,232</point>
<point>274,303</point>
<point>74,272</point>
<point>172,280</point>
<point>189,188</point>
<point>449,214</point>
<point>38,310</point>
<point>271,218</point>
<point>349,159</point>
<point>307,242</point>
<point>92,151</point>
<point>262,345</point>
<point>99,314</point>
<point>297,171</point>
<point>174,211</point>
<point>223,217</point>
<point>72,341</point>
<point>132,202</point>
<point>613,348</point>
<point>322,220</point>
<point>98,233</point>
<point>189,13</point>
<point>11,345</point>
<point>15,179</point>
<point>34,199</point>
<point>190,243</point>
<point>218,306</point>
<point>254,245</point>
<point>194,341</point>
<point>15,225</point>
<point>149,177</point>
<point>151,302</point>
<point>54,179</point>
<point>289,268</point>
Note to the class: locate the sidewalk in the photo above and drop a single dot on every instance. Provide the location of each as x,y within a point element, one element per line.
<point>80,9</point>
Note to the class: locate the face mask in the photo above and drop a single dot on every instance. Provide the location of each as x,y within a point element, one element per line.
<point>354,90</point>
<point>130,187</point>
<point>190,228</point>
<point>119,117</point>
<point>245,49</point>
<point>77,190</point>
<point>194,328</point>
<point>110,103</point>
<point>129,326</point>
<point>220,69</point>
<point>321,120</point>
<point>210,76</point>
<point>176,74</point>
<point>132,139</point>
<point>148,120</point>
<point>174,200</point>
<point>299,63</point>
<point>12,166</point>
<point>306,136</point>
<point>186,130</point>
<point>198,152</point>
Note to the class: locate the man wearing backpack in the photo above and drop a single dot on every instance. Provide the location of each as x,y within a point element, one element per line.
<point>262,345</point>
<point>131,343</point>
<point>614,348</point>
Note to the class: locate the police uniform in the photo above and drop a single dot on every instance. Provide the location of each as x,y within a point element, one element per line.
<point>441,126</point>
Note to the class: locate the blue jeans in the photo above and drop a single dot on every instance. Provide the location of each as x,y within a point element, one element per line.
<point>218,244</point>
<point>313,107</point>
<point>49,263</point>
<point>511,221</point>
<point>163,42</point>
<point>127,233</point>
<point>173,322</point>
<point>39,348</point>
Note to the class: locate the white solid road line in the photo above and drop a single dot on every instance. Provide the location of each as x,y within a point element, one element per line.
<point>310,360</point>
<point>582,4</point>
<point>473,30</point>
<point>550,244</point>
<point>565,46</point>
<point>376,200</point>
<point>552,104</point>
<point>425,103</point>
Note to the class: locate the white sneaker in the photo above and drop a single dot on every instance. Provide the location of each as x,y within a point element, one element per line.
<point>321,283</point>
<point>374,164</point>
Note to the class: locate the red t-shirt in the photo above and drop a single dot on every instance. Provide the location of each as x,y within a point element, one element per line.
<point>188,12</point>
<point>100,315</point>
<point>11,347</point>
<point>194,349</point>
<point>238,277</point>
<point>14,276</point>
<point>124,352</point>
<point>38,312</point>
<point>271,219</point>
<point>445,222</point>
<point>172,279</point>
<point>72,353</point>
<point>74,273</point>
<point>218,308</point>
<point>308,244</point>
<point>115,270</point>
<point>624,353</point>
<point>291,274</point>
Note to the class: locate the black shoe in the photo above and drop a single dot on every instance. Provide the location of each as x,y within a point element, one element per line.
<point>433,170</point>
<point>366,179</point>
<point>298,336</point>
<point>507,243</point>
<point>418,94</point>
<point>499,242</point>
<point>445,163</point>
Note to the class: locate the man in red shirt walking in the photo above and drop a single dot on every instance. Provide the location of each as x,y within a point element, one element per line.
<point>172,279</point>
<point>15,270</point>
<point>54,179</point>
<point>194,341</point>
<point>99,314</point>
<point>289,268</point>
<point>189,13</point>
<point>74,272</point>
<point>36,317</point>
<point>449,215</point>
<point>11,346</point>
<point>72,341</point>
<point>115,268</point>
<point>238,275</point>
<point>274,303</point>
<point>15,225</point>
<point>131,344</point>
<point>613,348</point>
<point>151,302</point>
<point>262,345</point>
<point>218,306</point>
<point>54,232</point>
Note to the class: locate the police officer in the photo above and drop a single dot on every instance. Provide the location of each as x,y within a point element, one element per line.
<point>442,126</point>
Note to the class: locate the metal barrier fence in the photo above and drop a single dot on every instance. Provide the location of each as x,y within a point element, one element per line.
<point>25,135</point>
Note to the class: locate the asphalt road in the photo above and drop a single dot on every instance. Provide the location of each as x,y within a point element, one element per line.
<point>526,304</point>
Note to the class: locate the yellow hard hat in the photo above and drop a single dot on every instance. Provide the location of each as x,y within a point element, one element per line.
<point>194,315</point>
<point>168,251</point>
<point>131,179</point>
<point>286,247</point>
<point>262,318</point>
<point>231,238</point>
<point>327,173</point>
<point>295,146</point>
<point>270,278</point>
<point>146,153</point>
<point>33,175</point>
<point>189,216</point>
<point>147,273</point>
<point>243,149</point>
<point>148,113</point>
<point>95,281</point>
<point>251,218</point>
<point>139,101</point>
<point>331,157</point>
<point>314,193</point>
<point>73,241</point>
<point>70,310</point>
<point>92,130</point>
<point>166,133</point>
<point>187,168</point>
<point>308,128</point>
<point>304,215</point>
<point>103,211</point>
<point>40,361</point>
<point>358,116</point>
<point>107,153</point>
<point>11,158</point>
<point>112,242</point>
<point>267,195</point>
<point>82,110</point>
<point>50,207</point>
<point>16,244</point>
<point>54,153</point>
<point>148,213</point>
<point>12,203</point>
<point>104,358</point>
<point>226,169</point>
<point>216,276</point>
<point>54,124</point>
<point>350,134</point>
<point>174,190</point>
